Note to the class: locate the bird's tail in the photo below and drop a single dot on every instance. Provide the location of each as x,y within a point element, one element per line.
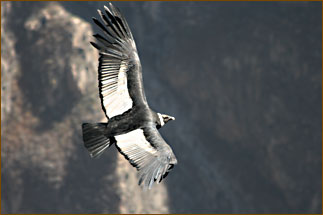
<point>94,139</point>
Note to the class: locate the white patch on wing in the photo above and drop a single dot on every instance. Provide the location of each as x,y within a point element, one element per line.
<point>114,90</point>
<point>152,163</point>
<point>134,142</point>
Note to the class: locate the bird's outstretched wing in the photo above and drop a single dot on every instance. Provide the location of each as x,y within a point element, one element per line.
<point>120,78</point>
<point>148,152</point>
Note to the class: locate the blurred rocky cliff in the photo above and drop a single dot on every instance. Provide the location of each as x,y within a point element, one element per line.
<point>242,79</point>
<point>49,87</point>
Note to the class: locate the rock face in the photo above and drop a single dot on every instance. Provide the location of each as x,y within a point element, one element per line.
<point>9,64</point>
<point>244,85</point>
<point>49,86</point>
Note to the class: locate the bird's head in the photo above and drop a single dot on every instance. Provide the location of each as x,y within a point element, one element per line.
<point>163,119</point>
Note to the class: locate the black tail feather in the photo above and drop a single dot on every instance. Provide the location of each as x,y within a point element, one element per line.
<point>94,139</point>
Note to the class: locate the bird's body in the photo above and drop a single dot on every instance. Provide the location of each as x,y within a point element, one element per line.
<point>133,119</point>
<point>132,125</point>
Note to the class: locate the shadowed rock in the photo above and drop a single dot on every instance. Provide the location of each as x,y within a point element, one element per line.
<point>244,85</point>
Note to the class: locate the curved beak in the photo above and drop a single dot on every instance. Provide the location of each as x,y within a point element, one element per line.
<point>167,118</point>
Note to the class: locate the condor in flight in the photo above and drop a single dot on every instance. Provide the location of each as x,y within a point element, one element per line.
<point>131,125</point>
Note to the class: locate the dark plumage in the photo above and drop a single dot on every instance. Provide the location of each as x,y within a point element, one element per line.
<point>131,125</point>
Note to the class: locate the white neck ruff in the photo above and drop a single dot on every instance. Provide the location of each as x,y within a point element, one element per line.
<point>161,119</point>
